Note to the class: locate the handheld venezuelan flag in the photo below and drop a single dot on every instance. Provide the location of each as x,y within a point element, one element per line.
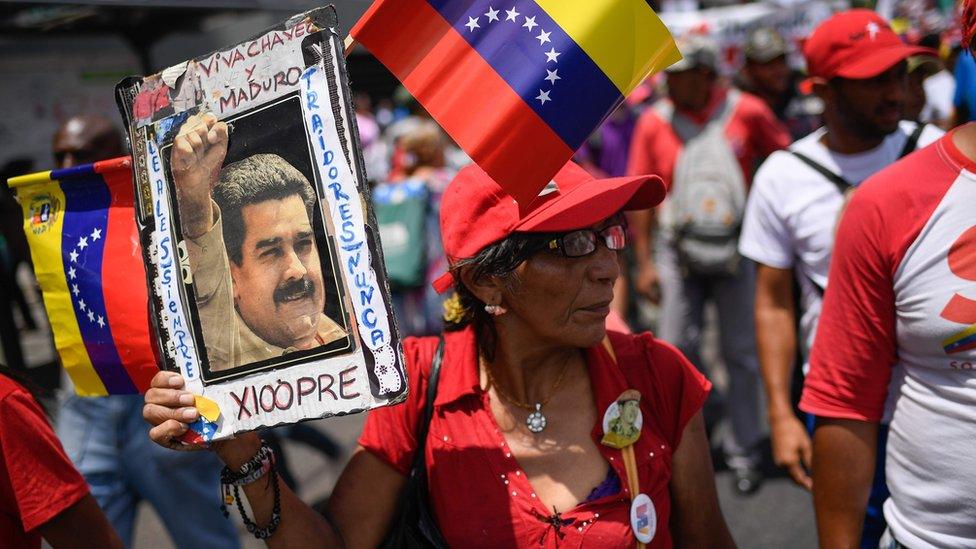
<point>81,228</point>
<point>520,84</point>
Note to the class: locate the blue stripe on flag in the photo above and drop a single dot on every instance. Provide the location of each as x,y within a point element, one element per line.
<point>87,200</point>
<point>577,96</point>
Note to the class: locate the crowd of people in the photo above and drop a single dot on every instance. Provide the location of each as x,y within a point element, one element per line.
<point>824,216</point>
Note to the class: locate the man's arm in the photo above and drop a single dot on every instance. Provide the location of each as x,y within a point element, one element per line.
<point>195,160</point>
<point>697,520</point>
<point>642,230</point>
<point>197,155</point>
<point>643,159</point>
<point>776,343</point>
<point>84,516</point>
<point>843,469</point>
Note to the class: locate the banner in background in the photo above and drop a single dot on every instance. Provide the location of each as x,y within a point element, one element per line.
<point>730,25</point>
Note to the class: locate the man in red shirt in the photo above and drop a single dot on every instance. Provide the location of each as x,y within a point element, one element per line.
<point>896,344</point>
<point>697,108</point>
<point>41,494</point>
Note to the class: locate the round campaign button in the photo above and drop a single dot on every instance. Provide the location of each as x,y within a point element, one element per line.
<point>623,420</point>
<point>643,518</point>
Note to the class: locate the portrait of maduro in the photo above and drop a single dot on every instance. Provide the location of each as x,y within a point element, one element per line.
<point>264,287</point>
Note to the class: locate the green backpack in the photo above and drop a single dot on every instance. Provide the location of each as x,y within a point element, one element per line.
<point>401,211</point>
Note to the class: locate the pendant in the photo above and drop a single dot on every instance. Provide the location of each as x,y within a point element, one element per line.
<point>536,422</point>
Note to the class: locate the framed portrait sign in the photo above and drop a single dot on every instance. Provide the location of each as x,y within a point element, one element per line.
<point>267,288</point>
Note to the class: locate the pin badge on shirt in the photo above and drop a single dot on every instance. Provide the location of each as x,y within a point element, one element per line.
<point>623,420</point>
<point>643,518</point>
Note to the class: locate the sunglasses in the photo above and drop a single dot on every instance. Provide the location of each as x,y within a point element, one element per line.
<point>583,242</point>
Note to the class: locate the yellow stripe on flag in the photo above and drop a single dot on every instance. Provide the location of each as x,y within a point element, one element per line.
<point>959,336</point>
<point>625,38</point>
<point>44,235</point>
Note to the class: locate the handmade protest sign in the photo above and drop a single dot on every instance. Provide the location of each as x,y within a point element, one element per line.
<point>266,280</point>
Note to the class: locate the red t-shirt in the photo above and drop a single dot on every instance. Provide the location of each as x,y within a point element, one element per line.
<point>37,481</point>
<point>753,132</point>
<point>896,340</point>
<point>478,492</point>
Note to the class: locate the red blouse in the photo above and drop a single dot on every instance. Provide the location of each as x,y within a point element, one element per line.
<point>479,494</point>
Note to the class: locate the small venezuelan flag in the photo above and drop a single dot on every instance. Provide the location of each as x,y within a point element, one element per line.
<point>962,341</point>
<point>519,85</point>
<point>81,228</point>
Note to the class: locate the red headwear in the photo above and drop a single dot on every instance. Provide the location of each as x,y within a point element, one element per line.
<point>855,44</point>
<point>476,212</point>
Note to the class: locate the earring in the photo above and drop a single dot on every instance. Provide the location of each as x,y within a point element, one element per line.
<point>495,310</point>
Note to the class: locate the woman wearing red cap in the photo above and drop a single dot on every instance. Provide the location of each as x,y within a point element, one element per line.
<point>544,429</point>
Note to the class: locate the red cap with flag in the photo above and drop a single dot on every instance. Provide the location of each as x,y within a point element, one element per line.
<point>476,211</point>
<point>855,44</point>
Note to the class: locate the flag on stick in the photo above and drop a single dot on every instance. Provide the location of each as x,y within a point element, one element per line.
<point>519,85</point>
<point>81,228</point>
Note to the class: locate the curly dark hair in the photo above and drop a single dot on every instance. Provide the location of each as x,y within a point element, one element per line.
<point>499,260</point>
<point>255,179</point>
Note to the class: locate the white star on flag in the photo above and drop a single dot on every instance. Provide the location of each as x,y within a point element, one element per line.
<point>511,14</point>
<point>82,242</point>
<point>74,256</point>
<point>543,97</point>
<point>552,76</point>
<point>91,316</point>
<point>491,14</point>
<point>72,273</point>
<point>472,24</point>
<point>96,234</point>
<point>81,304</point>
<point>552,54</point>
<point>101,321</point>
<point>75,290</point>
<point>543,37</point>
<point>530,23</point>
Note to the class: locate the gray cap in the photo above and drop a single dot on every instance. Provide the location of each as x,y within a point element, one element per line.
<point>697,50</point>
<point>765,44</point>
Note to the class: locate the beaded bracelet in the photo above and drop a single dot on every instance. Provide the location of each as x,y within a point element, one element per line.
<point>258,466</point>
<point>255,468</point>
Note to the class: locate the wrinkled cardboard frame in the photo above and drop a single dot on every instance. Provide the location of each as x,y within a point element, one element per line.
<point>326,52</point>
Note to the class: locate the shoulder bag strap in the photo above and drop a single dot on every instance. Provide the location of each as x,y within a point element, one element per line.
<point>414,525</point>
<point>912,142</point>
<point>423,426</point>
<point>838,181</point>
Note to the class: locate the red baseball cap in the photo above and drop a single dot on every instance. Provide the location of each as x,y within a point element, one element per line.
<point>855,44</point>
<point>476,211</point>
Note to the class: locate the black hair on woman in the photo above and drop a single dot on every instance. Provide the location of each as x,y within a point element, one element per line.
<point>499,260</point>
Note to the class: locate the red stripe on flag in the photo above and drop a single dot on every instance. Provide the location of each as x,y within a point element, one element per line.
<point>473,104</point>
<point>123,277</point>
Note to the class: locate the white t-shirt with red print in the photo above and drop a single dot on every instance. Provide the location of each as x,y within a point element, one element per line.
<point>793,209</point>
<point>902,293</point>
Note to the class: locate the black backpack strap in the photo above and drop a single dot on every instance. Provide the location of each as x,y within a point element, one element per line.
<point>912,142</point>
<point>841,183</point>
